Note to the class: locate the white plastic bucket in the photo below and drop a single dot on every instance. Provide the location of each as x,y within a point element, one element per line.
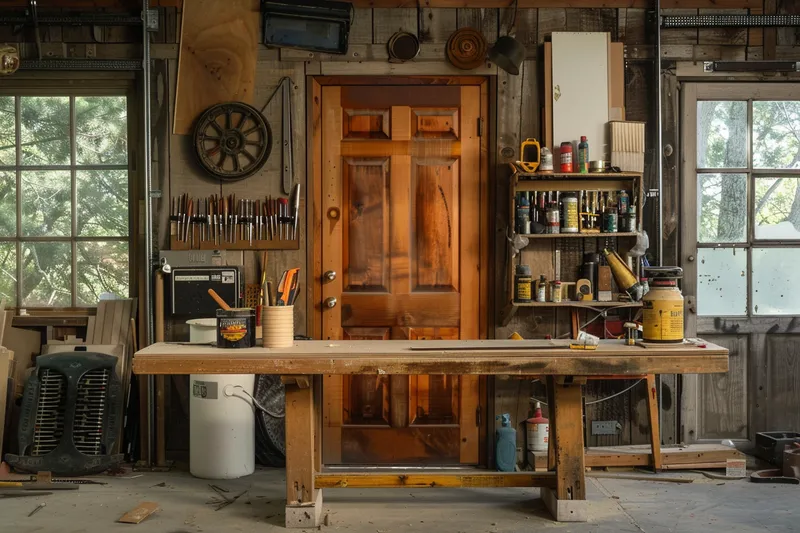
<point>222,439</point>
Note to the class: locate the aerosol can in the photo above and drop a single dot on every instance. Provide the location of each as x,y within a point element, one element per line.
<point>506,445</point>
<point>538,430</point>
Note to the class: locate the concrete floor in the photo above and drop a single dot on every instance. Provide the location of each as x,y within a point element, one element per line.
<point>615,506</point>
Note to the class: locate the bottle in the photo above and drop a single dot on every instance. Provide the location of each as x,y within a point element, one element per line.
<point>555,292</point>
<point>583,155</point>
<point>566,157</point>
<point>505,448</point>
<point>547,160</point>
<point>569,213</point>
<point>541,289</point>
<point>523,215</point>
<point>523,283</point>
<point>623,202</point>
<point>538,430</point>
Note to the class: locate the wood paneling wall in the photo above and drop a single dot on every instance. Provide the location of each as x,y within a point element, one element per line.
<point>517,101</point>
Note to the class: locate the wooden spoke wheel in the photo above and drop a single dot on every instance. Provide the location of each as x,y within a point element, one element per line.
<point>232,140</point>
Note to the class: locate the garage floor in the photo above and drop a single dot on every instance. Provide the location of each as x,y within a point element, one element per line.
<point>616,506</point>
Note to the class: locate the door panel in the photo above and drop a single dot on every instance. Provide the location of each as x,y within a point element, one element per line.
<point>395,183</point>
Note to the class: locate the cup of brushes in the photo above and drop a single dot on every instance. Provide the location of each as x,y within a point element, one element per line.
<point>277,311</point>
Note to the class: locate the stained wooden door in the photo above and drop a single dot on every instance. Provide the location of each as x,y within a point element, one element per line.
<point>401,187</point>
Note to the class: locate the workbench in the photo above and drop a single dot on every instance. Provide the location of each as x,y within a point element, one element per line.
<point>563,487</point>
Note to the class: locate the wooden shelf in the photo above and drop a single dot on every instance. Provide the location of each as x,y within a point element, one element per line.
<point>578,235</point>
<point>588,175</point>
<point>571,303</point>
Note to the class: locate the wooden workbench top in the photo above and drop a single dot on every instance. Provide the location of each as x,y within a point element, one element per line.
<point>540,357</point>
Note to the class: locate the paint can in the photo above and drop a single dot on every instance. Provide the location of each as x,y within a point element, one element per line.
<point>555,292</point>
<point>569,213</point>
<point>610,220</point>
<point>553,219</point>
<point>236,328</point>
<point>523,284</point>
<point>662,306</point>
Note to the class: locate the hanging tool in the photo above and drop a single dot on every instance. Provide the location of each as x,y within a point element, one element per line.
<point>287,288</point>
<point>295,209</point>
<point>286,135</point>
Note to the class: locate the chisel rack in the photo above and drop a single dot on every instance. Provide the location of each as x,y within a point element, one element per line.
<point>228,223</point>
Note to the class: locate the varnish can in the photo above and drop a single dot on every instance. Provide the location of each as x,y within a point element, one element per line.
<point>236,328</point>
<point>662,313</point>
<point>523,284</point>
<point>553,218</point>
<point>569,213</point>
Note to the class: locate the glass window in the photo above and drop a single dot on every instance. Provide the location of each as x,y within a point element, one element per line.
<point>722,281</point>
<point>722,134</point>
<point>62,158</point>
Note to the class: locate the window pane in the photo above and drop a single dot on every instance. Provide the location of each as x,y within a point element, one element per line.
<point>44,128</point>
<point>106,188</point>
<point>8,272</point>
<point>774,280</point>
<point>776,134</point>
<point>8,204</point>
<point>46,203</point>
<point>721,282</point>
<point>722,207</point>
<point>777,208</point>
<point>102,268</point>
<point>101,124</point>
<point>8,134</point>
<point>722,134</point>
<point>46,274</point>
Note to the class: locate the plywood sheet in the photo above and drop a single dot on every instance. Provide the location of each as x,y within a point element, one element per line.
<point>5,365</point>
<point>217,63</point>
<point>580,89</point>
<point>26,345</point>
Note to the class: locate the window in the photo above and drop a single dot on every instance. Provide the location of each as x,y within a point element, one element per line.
<point>748,206</point>
<point>64,199</point>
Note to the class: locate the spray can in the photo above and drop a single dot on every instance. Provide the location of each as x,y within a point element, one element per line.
<point>505,445</point>
<point>523,284</point>
<point>566,157</point>
<point>538,430</point>
<point>583,155</point>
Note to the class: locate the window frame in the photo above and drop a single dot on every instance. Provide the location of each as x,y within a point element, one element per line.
<point>738,91</point>
<point>75,88</point>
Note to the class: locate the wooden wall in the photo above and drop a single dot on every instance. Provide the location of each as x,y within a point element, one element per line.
<point>517,100</point>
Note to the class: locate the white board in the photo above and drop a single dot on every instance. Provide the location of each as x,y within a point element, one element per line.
<point>580,92</point>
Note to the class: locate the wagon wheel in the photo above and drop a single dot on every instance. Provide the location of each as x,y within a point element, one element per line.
<point>232,140</point>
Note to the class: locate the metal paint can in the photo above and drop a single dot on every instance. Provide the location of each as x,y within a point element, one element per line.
<point>610,221</point>
<point>553,220</point>
<point>555,292</point>
<point>236,328</point>
<point>523,283</point>
<point>569,213</point>
<point>662,313</point>
<point>627,222</point>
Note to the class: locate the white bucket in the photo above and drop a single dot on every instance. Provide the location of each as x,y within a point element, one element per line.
<point>222,439</point>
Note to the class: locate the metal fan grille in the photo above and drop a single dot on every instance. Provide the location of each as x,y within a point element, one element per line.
<point>49,412</point>
<point>89,411</point>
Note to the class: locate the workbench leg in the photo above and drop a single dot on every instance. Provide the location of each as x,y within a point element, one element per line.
<point>551,413</point>
<point>303,501</point>
<point>567,503</point>
<point>655,432</point>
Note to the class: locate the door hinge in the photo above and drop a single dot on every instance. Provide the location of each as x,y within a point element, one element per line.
<point>480,127</point>
<point>478,416</point>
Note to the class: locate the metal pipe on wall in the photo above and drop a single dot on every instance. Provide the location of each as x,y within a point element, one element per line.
<point>148,214</point>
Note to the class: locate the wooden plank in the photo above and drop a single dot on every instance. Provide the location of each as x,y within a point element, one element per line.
<point>411,68</point>
<point>528,31</point>
<point>487,268</point>
<point>436,25</point>
<point>726,36</point>
<point>652,414</point>
<point>218,57</point>
<point>470,261</point>
<point>300,446</point>
<point>331,203</point>
<point>361,29</point>
<point>387,22</point>
<point>484,20</point>
<point>130,4</point>
<point>25,345</point>
<point>6,358</point>
<point>569,442</point>
<point>332,419</point>
<point>770,35</point>
<point>639,455</point>
<point>678,35</point>
<point>755,36</point>
<point>421,444</point>
<point>139,513</point>
<point>457,479</point>
<point>396,357</point>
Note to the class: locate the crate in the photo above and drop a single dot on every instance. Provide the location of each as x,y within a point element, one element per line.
<point>627,145</point>
<point>770,445</point>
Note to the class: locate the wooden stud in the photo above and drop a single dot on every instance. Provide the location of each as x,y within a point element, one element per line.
<point>302,498</point>
<point>471,479</point>
<point>569,442</point>
<point>652,412</point>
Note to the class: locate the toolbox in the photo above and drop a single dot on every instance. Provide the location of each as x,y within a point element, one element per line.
<point>770,445</point>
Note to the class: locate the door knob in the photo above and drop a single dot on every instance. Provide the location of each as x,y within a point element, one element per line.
<point>330,303</point>
<point>330,275</point>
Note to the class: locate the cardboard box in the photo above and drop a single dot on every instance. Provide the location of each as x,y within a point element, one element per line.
<point>627,145</point>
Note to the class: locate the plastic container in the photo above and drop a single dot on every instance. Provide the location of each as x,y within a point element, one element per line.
<point>538,430</point>
<point>222,439</point>
<point>277,326</point>
<point>566,157</point>
<point>505,445</point>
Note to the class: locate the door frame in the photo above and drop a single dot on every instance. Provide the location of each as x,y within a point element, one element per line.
<point>314,213</point>
<point>752,330</point>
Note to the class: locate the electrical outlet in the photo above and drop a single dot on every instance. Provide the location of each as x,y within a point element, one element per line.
<point>605,427</point>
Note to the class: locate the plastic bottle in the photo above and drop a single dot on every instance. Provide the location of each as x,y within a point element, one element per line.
<point>583,155</point>
<point>538,430</point>
<point>505,445</point>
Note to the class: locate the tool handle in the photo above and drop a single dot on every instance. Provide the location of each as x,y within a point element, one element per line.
<point>219,300</point>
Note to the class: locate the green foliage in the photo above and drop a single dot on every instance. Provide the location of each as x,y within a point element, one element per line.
<point>45,205</point>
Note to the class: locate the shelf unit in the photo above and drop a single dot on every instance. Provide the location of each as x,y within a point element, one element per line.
<point>542,245</point>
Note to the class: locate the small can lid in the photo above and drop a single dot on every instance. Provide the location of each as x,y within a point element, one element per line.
<point>523,270</point>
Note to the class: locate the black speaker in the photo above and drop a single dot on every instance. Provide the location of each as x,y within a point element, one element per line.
<point>316,25</point>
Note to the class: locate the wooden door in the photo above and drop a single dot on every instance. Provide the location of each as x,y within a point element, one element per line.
<point>401,228</point>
